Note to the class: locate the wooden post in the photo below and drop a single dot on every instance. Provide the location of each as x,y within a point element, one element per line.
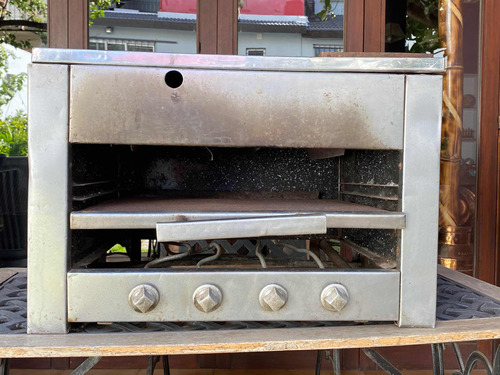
<point>354,18</point>
<point>227,27</point>
<point>364,26</point>
<point>217,25</point>
<point>374,32</point>
<point>68,24</point>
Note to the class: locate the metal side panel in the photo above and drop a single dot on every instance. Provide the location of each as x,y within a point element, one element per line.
<point>373,295</point>
<point>48,207</point>
<point>236,108</point>
<point>420,193</point>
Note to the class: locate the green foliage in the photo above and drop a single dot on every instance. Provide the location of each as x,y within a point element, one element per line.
<point>11,83</point>
<point>424,34</point>
<point>328,10</point>
<point>117,249</point>
<point>33,10</point>
<point>14,135</point>
<point>97,8</point>
<point>13,129</point>
<point>421,23</point>
<point>28,10</point>
<point>429,7</point>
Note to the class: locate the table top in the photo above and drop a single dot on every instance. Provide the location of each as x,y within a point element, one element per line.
<point>468,309</point>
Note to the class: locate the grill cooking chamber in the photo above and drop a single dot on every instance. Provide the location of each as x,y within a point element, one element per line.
<point>241,177</point>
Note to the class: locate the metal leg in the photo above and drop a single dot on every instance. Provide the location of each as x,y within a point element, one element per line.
<point>86,366</point>
<point>478,357</point>
<point>152,361</point>
<point>334,359</point>
<point>48,199</point>
<point>417,260</point>
<point>437,359</point>
<point>381,362</point>
<point>4,366</point>
<point>166,365</point>
<point>496,362</point>
<point>319,359</point>
<point>460,359</point>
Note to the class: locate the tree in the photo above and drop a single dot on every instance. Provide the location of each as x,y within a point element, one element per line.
<point>13,129</point>
<point>422,25</point>
<point>19,18</point>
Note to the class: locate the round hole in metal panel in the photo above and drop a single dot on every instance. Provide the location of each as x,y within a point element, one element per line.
<point>174,79</point>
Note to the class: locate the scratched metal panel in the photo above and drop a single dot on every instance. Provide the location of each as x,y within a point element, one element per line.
<point>373,295</point>
<point>234,108</point>
<point>345,63</point>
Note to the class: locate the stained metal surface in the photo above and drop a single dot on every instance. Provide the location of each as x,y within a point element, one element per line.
<point>146,213</point>
<point>374,295</point>
<point>236,109</point>
<point>371,178</point>
<point>203,170</point>
<point>380,246</point>
<point>420,201</point>
<point>316,64</point>
<point>241,228</point>
<point>48,197</point>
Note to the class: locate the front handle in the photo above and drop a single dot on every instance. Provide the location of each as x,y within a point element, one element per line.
<point>241,228</point>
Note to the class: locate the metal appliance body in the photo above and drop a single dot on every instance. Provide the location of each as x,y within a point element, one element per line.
<point>82,101</point>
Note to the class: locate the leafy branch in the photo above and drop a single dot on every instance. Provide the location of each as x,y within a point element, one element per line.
<point>97,8</point>
<point>422,25</point>
<point>29,15</point>
<point>328,10</point>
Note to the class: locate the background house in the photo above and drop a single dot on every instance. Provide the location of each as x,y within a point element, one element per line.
<point>265,27</point>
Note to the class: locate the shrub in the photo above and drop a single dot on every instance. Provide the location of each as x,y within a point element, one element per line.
<point>14,135</point>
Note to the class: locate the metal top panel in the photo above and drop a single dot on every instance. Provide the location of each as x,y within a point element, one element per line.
<point>232,62</point>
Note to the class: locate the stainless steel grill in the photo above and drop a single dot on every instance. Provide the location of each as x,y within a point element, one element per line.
<point>190,153</point>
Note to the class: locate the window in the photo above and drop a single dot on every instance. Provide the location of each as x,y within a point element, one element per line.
<point>256,51</point>
<point>121,45</point>
<point>319,48</point>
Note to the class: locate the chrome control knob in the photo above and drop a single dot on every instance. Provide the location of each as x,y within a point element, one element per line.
<point>334,297</point>
<point>207,298</point>
<point>273,297</point>
<point>143,298</point>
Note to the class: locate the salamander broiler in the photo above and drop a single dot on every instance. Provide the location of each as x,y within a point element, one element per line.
<point>241,188</point>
